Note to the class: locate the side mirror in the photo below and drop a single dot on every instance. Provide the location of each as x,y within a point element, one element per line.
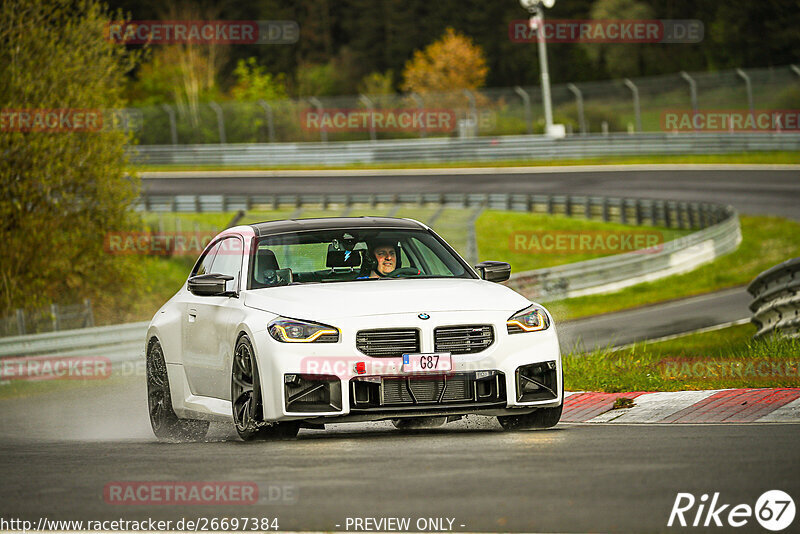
<point>494,271</point>
<point>209,285</point>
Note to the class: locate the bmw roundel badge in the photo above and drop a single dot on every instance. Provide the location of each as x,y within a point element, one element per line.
<point>424,316</point>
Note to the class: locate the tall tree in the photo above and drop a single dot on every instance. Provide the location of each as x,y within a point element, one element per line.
<point>450,63</point>
<point>63,190</point>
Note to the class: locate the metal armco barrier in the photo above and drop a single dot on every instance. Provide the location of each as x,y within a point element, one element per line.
<point>776,300</point>
<point>634,211</point>
<point>612,273</point>
<point>118,343</point>
<point>519,147</point>
<point>720,232</point>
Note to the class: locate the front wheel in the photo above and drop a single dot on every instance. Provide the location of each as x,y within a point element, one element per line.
<point>167,426</point>
<point>248,413</point>
<point>539,419</point>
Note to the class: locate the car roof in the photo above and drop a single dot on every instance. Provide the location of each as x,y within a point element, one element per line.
<point>333,223</point>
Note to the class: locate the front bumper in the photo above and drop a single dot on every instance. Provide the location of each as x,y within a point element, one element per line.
<point>319,382</point>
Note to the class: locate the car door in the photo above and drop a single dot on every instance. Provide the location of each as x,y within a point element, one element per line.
<point>208,321</point>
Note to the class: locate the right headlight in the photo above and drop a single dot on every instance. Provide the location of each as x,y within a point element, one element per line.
<point>531,319</point>
<point>288,330</point>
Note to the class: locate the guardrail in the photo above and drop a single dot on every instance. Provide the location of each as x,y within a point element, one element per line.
<point>55,317</point>
<point>519,147</point>
<point>635,211</point>
<point>612,273</point>
<point>776,300</point>
<point>118,343</point>
<point>720,234</point>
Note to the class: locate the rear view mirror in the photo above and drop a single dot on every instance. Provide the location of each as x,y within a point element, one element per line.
<point>209,285</point>
<point>494,271</point>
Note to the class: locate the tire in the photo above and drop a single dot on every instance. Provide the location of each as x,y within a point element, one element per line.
<point>541,418</point>
<point>248,413</point>
<point>167,426</point>
<point>418,423</point>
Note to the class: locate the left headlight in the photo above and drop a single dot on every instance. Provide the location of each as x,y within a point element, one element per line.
<point>531,319</point>
<point>296,331</point>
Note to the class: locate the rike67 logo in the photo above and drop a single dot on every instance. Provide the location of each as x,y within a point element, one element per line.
<point>774,510</point>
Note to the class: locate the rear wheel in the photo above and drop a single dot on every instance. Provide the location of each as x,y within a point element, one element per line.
<point>167,426</point>
<point>539,419</point>
<point>248,413</point>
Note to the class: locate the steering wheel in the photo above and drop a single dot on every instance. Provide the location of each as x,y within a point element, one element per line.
<point>407,271</point>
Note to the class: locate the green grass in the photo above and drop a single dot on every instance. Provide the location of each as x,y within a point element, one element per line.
<point>497,230</point>
<point>766,241</point>
<point>771,157</point>
<point>725,358</point>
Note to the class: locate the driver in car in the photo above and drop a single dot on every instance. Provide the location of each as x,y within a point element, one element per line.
<point>385,254</point>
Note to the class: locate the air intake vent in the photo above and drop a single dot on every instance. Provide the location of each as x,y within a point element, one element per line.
<point>466,339</point>
<point>388,343</point>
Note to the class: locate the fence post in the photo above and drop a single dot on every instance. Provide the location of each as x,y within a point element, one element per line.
<point>323,133</point>
<point>636,107</point>
<point>173,127</point>
<point>220,121</point>
<point>54,316</point>
<point>472,239</point>
<point>21,321</point>
<point>579,103</point>
<point>89,319</point>
<point>270,120</point>
<point>473,109</point>
<point>749,88</point>
<point>420,104</point>
<point>371,108</point>
<point>526,101</point>
<point>692,91</point>
<point>795,69</point>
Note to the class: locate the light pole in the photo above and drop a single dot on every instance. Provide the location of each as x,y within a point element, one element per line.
<point>535,8</point>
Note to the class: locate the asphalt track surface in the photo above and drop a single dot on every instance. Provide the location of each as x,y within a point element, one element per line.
<point>656,321</point>
<point>59,450</point>
<point>751,190</point>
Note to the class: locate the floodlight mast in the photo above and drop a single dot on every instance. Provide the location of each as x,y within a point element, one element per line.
<point>534,7</point>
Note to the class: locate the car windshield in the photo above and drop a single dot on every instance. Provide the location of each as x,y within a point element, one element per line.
<point>352,255</point>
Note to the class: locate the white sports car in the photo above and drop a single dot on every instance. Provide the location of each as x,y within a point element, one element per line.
<point>293,324</point>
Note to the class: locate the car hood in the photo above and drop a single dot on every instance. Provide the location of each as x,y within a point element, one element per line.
<point>324,301</point>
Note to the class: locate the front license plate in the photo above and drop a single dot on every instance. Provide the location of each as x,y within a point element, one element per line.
<point>433,362</point>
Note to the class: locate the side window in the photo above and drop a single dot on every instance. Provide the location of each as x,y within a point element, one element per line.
<point>204,267</point>
<point>228,260</point>
<point>434,263</point>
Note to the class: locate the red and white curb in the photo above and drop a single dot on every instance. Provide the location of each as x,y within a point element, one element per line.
<point>778,405</point>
